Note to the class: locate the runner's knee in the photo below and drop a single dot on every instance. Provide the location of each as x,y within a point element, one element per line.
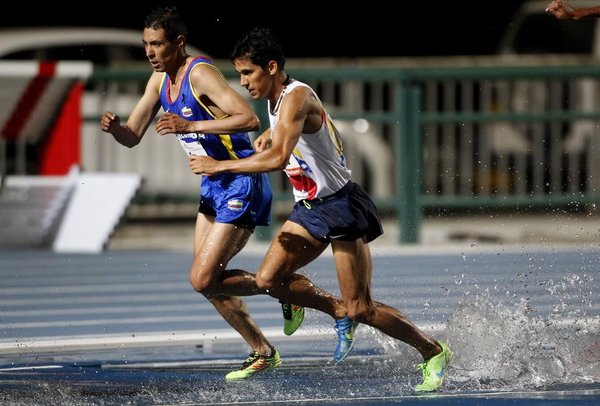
<point>263,282</point>
<point>203,282</point>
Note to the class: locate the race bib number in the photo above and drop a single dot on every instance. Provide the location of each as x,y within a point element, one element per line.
<point>191,144</point>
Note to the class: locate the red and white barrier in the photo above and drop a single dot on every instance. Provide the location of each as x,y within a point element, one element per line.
<point>42,105</point>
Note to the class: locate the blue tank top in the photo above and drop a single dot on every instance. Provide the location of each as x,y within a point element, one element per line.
<point>189,106</point>
<point>229,197</point>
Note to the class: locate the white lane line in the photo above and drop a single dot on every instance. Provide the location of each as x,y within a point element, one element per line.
<point>206,339</point>
<point>31,368</point>
<point>135,320</point>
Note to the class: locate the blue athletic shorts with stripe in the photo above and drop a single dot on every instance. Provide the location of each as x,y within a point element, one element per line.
<point>346,215</point>
<point>240,199</point>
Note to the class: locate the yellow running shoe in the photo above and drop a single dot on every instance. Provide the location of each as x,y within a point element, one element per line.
<point>254,364</point>
<point>434,369</point>
<point>293,316</point>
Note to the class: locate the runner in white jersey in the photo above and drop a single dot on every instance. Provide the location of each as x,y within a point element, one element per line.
<point>330,209</point>
<point>317,165</point>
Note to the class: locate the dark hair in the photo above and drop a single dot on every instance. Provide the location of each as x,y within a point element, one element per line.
<point>260,46</point>
<point>169,19</point>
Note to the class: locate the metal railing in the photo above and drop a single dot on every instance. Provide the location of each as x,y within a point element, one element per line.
<point>417,137</point>
<point>478,138</point>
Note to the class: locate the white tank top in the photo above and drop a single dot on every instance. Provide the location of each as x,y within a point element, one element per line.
<point>317,166</point>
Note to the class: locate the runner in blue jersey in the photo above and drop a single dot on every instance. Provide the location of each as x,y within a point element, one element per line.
<point>244,200</point>
<point>208,118</point>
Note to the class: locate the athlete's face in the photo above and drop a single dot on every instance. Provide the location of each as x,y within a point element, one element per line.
<point>254,78</point>
<point>161,52</point>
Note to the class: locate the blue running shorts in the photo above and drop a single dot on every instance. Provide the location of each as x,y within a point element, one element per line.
<point>347,215</point>
<point>240,199</point>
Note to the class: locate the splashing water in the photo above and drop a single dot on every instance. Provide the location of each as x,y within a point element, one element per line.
<point>498,345</point>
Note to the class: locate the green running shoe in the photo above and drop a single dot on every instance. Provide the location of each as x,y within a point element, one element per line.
<point>293,316</point>
<point>254,364</point>
<point>434,369</point>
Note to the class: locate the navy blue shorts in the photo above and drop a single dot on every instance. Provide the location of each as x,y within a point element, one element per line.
<point>240,199</point>
<point>347,215</point>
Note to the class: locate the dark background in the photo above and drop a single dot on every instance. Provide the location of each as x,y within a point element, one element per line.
<point>306,29</point>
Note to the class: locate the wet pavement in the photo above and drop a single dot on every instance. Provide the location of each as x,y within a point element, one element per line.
<point>124,327</point>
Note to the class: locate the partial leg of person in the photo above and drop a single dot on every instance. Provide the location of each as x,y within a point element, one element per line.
<point>214,245</point>
<point>292,249</point>
<point>354,268</point>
